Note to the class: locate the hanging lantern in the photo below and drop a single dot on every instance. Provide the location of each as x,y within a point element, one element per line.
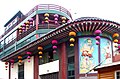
<point>40,57</point>
<point>6,65</point>
<point>118,41</point>
<point>98,32</point>
<point>40,48</point>
<point>46,15</point>
<point>12,63</point>
<point>115,35</point>
<point>63,18</point>
<point>31,19</point>
<point>56,19</point>
<point>27,22</point>
<point>28,57</point>
<point>97,37</point>
<point>118,47</point>
<point>54,41</point>
<point>54,51</point>
<point>115,41</point>
<point>72,40</point>
<point>29,53</point>
<point>115,45</point>
<point>19,57</point>
<point>40,52</point>
<point>56,15</point>
<point>54,47</point>
<point>20,61</point>
<point>71,45</point>
<point>72,33</point>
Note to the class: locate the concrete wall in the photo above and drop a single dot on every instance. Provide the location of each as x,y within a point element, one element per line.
<point>29,68</point>
<point>14,71</point>
<point>49,67</point>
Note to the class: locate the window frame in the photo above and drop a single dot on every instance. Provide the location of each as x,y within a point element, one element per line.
<point>116,73</point>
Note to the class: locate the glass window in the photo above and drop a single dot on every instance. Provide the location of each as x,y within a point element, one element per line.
<point>117,76</point>
<point>21,71</point>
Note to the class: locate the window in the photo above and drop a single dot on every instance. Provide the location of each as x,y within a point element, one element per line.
<point>70,60</point>
<point>21,71</point>
<point>117,75</point>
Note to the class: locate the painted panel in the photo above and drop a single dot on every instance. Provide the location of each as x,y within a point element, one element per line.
<point>106,51</point>
<point>88,54</point>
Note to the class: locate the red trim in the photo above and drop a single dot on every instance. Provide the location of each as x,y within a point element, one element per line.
<point>36,67</point>
<point>76,59</point>
<point>63,62</point>
<point>37,22</point>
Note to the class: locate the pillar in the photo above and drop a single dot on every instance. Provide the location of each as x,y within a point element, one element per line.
<point>63,62</point>
<point>36,67</point>
<point>37,23</point>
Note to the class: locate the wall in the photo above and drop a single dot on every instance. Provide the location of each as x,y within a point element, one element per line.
<point>29,68</point>
<point>14,71</point>
<point>49,67</point>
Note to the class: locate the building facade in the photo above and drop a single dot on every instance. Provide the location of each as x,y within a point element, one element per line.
<point>47,44</point>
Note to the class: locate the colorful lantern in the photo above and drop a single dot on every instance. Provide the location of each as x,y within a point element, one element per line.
<point>72,33</point>
<point>46,15</point>
<point>56,15</point>
<point>28,57</point>
<point>27,22</point>
<point>40,56</point>
<point>115,35</point>
<point>115,45</point>
<point>115,41</point>
<point>98,32</point>
<point>54,51</point>
<point>54,41</point>
<point>12,63</point>
<point>54,47</point>
<point>97,37</point>
<point>40,53</point>
<point>6,65</point>
<point>71,45</point>
<point>72,40</point>
<point>40,48</point>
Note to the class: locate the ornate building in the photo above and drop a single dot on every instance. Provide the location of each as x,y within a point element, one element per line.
<point>47,44</point>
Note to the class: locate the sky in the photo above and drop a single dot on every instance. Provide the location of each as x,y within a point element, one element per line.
<point>105,9</point>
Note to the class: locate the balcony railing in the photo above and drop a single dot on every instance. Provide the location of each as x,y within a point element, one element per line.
<point>49,7</point>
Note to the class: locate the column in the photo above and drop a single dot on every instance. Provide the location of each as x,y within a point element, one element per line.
<point>62,62</point>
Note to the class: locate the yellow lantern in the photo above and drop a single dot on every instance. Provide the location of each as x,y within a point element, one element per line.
<point>115,41</point>
<point>63,21</point>
<point>40,48</point>
<point>40,53</point>
<point>40,56</point>
<point>115,35</point>
<point>20,61</point>
<point>19,57</point>
<point>27,22</point>
<point>71,45</point>
<point>63,18</point>
<point>46,15</point>
<point>46,18</point>
<point>72,40</point>
<point>27,25</point>
<point>115,45</point>
<point>72,34</point>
